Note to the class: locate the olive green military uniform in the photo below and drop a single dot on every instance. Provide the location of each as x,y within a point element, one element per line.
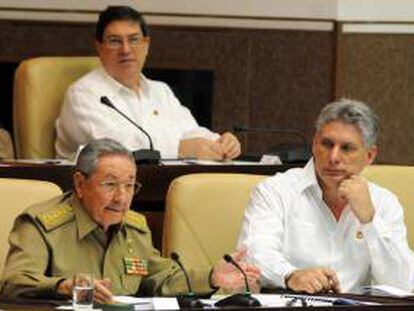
<point>54,240</point>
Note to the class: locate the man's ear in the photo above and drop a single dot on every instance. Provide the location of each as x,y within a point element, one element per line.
<point>314,143</point>
<point>371,154</point>
<point>146,46</point>
<point>98,47</point>
<point>78,181</point>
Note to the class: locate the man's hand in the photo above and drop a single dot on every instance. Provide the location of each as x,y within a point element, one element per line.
<point>230,145</point>
<point>354,190</point>
<point>230,279</point>
<point>313,281</point>
<point>200,148</point>
<point>101,292</point>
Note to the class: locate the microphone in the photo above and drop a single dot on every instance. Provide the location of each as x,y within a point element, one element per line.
<point>148,156</point>
<point>245,299</point>
<point>189,300</point>
<point>287,154</point>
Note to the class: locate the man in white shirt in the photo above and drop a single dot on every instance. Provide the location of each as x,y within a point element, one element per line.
<point>122,43</point>
<point>324,227</point>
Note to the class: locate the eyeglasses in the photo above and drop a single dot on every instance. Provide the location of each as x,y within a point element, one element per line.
<point>116,42</point>
<point>110,186</point>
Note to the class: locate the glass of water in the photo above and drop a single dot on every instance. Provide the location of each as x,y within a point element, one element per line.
<point>82,295</point>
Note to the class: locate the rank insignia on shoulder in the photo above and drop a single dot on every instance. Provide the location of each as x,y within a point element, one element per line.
<point>134,265</point>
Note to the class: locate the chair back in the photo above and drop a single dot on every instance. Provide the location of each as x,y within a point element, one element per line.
<point>399,180</point>
<point>6,145</point>
<point>15,196</point>
<point>39,88</point>
<point>203,215</point>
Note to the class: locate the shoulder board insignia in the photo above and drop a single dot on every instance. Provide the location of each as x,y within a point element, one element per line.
<point>137,221</point>
<point>55,217</point>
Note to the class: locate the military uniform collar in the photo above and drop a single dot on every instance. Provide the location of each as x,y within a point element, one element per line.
<point>85,223</point>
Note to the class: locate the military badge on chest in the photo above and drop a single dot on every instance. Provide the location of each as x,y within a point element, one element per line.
<point>136,266</point>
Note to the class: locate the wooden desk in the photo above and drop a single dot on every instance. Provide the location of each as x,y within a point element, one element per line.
<point>387,304</point>
<point>155,180</point>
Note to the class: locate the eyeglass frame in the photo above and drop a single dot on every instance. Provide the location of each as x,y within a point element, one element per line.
<point>110,186</point>
<point>133,41</point>
<point>137,185</point>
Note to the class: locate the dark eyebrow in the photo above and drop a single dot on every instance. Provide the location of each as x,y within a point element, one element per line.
<point>119,36</point>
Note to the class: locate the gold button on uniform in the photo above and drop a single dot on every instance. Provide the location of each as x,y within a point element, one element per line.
<point>359,235</point>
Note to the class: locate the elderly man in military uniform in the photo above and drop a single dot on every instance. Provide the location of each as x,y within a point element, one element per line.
<point>93,230</point>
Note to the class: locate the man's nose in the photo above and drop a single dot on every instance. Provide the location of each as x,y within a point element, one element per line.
<point>335,154</point>
<point>125,48</point>
<point>121,193</point>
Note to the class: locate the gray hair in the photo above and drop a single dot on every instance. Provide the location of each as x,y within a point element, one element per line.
<point>351,112</point>
<point>88,157</point>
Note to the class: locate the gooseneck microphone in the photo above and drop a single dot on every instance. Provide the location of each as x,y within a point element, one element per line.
<point>149,156</point>
<point>245,299</point>
<point>189,300</point>
<point>230,260</point>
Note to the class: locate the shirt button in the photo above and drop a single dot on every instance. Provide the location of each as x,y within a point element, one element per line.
<point>130,250</point>
<point>359,235</point>
<point>156,113</point>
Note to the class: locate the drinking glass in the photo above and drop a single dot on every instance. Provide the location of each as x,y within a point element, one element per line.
<point>82,294</point>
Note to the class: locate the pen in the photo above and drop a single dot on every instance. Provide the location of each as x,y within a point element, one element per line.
<point>345,301</point>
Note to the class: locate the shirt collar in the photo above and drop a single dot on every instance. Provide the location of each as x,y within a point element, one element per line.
<point>116,87</point>
<point>309,176</point>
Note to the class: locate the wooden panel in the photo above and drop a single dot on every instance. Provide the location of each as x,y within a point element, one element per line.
<point>221,51</point>
<point>378,69</point>
<point>24,39</point>
<point>291,79</point>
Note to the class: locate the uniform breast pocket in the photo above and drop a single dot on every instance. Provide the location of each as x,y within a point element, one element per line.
<point>130,283</point>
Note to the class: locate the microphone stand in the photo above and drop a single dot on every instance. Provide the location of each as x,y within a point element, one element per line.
<point>190,300</point>
<point>147,156</point>
<point>241,299</point>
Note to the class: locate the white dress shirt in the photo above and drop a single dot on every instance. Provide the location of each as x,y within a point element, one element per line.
<point>287,226</point>
<point>155,108</point>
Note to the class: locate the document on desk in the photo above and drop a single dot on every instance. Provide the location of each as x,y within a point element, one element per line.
<point>281,300</point>
<point>11,162</point>
<point>153,303</point>
<point>208,162</point>
<point>385,290</point>
<point>295,300</point>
